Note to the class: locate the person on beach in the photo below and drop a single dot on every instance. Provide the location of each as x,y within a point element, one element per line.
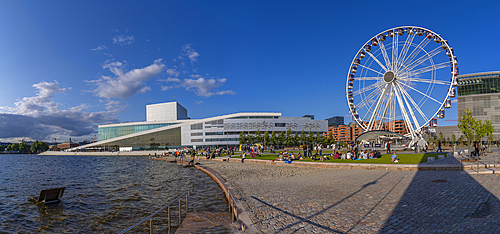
<point>243,157</point>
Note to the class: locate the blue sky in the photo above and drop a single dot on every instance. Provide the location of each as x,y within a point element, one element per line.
<point>66,66</point>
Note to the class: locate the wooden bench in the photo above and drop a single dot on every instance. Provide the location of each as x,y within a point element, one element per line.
<point>48,196</point>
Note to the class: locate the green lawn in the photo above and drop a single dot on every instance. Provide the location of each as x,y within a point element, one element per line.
<point>385,159</point>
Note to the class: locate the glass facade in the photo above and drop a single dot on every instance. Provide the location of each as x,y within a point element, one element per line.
<point>170,138</point>
<point>104,133</point>
<point>479,84</point>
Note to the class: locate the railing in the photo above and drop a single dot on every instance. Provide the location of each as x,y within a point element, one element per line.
<point>150,218</point>
<point>233,210</point>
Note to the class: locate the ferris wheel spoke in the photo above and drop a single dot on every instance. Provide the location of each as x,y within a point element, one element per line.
<point>426,69</point>
<point>371,69</point>
<point>403,111</point>
<point>427,81</point>
<point>410,109</point>
<point>423,58</point>
<point>377,107</point>
<point>394,50</point>
<point>416,51</point>
<point>368,78</point>
<point>404,51</point>
<point>367,88</point>
<point>386,57</point>
<point>421,92</point>
<point>376,60</point>
<point>387,105</point>
<point>366,100</point>
<point>416,106</point>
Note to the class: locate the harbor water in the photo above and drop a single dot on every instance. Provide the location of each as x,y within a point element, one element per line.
<point>104,194</point>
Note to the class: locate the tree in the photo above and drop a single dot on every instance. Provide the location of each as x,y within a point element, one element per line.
<point>288,137</point>
<point>486,130</point>
<point>258,136</point>
<point>39,146</point>
<point>467,125</point>
<point>453,138</point>
<point>266,138</point>
<point>320,138</point>
<point>13,147</point>
<point>330,138</point>
<point>296,139</point>
<point>310,137</point>
<point>303,138</point>
<point>441,137</point>
<point>461,140</point>
<point>23,147</point>
<point>274,138</point>
<point>281,138</point>
<point>242,139</point>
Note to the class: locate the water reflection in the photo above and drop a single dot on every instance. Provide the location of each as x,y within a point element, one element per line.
<point>103,194</point>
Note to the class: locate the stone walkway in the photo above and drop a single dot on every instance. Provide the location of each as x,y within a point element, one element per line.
<point>282,199</point>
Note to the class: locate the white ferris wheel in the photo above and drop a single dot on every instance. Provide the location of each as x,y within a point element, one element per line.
<point>404,73</point>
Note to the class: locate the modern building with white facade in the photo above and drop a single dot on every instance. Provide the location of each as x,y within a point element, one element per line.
<point>168,127</point>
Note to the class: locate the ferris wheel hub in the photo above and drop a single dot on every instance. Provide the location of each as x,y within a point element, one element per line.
<point>389,76</point>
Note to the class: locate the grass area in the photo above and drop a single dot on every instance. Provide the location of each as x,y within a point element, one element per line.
<point>385,159</point>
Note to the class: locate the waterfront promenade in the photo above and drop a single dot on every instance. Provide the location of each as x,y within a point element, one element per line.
<point>288,199</point>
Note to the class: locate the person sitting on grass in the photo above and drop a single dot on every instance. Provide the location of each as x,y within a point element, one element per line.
<point>292,157</point>
<point>377,154</point>
<point>365,154</point>
<point>394,157</point>
<point>337,155</point>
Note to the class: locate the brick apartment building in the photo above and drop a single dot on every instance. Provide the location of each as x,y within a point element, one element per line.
<point>349,133</point>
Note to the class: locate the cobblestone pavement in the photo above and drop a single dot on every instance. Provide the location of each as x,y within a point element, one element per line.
<point>287,199</point>
<point>489,158</point>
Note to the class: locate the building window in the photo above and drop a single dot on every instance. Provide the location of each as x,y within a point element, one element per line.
<point>197,126</point>
<point>213,133</point>
<point>196,140</point>
<point>196,134</point>
<point>280,125</point>
<point>496,119</point>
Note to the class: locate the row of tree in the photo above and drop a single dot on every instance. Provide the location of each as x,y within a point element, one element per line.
<point>36,147</point>
<point>286,138</point>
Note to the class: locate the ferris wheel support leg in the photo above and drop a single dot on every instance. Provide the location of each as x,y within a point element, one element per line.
<point>417,143</point>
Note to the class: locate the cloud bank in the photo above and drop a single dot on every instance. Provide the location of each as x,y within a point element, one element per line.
<point>40,118</point>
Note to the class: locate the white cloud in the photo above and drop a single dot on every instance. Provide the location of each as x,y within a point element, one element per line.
<point>172,72</point>
<point>454,101</point>
<point>199,102</point>
<point>100,47</point>
<point>165,88</point>
<point>125,84</point>
<point>41,118</point>
<point>188,51</point>
<point>123,40</point>
<point>201,86</point>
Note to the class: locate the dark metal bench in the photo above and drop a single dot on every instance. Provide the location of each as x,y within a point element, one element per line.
<point>48,196</point>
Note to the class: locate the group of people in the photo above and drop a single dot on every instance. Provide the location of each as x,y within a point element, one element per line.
<point>353,155</point>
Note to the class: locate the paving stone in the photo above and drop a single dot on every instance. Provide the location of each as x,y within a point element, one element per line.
<point>304,200</point>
